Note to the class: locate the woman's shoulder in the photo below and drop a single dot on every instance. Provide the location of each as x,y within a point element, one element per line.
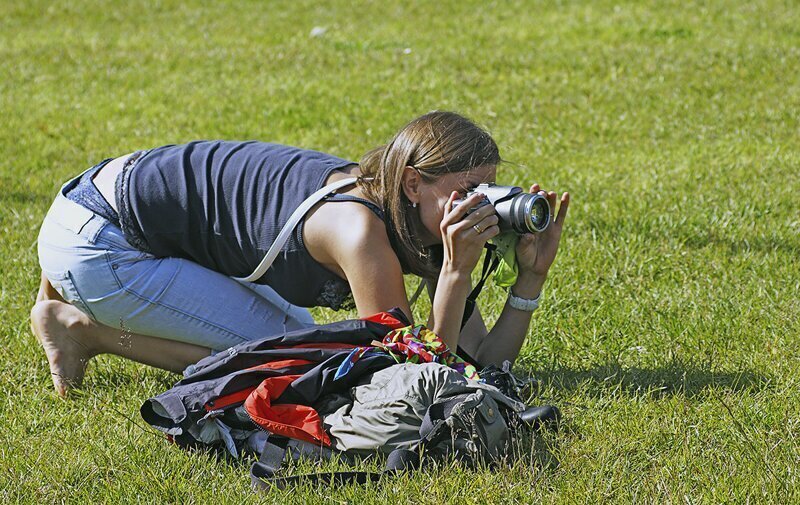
<point>337,231</point>
<point>344,222</point>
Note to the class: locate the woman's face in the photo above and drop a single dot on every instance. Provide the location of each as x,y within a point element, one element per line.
<point>433,196</point>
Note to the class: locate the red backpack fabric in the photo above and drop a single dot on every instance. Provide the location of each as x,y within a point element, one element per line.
<point>276,379</point>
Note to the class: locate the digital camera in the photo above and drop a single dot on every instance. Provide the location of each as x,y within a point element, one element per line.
<point>517,210</point>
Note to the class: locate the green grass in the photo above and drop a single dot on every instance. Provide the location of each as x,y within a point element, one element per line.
<point>670,330</point>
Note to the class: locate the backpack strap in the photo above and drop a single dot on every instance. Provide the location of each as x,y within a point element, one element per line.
<point>263,472</point>
<point>430,431</point>
<point>287,229</point>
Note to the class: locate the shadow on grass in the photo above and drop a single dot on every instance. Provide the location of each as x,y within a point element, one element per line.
<point>537,450</point>
<point>674,379</point>
<point>734,247</point>
<point>112,373</point>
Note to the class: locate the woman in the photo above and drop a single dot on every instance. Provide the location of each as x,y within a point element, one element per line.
<point>138,253</point>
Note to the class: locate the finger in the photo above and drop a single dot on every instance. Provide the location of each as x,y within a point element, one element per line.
<point>551,199</point>
<point>472,224</point>
<point>528,238</point>
<point>489,233</point>
<point>483,211</point>
<point>488,222</point>
<point>551,203</point>
<point>479,216</point>
<point>562,210</point>
<point>449,205</point>
<point>535,189</point>
<point>527,242</point>
<point>453,215</point>
<point>475,210</point>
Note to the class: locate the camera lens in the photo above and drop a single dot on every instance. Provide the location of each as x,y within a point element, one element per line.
<point>539,213</point>
<point>529,213</point>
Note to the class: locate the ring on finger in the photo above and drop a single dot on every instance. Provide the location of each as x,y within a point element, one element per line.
<point>477,228</point>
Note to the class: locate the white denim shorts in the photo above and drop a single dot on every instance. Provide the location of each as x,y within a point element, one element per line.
<point>89,262</point>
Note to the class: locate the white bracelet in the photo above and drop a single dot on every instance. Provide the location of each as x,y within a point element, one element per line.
<point>523,304</point>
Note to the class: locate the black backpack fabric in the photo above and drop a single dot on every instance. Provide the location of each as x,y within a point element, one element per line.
<point>262,397</point>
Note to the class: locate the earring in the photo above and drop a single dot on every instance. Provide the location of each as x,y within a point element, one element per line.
<point>414,205</point>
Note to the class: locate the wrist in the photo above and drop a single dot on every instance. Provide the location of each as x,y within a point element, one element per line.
<point>450,275</point>
<point>453,282</point>
<point>523,304</point>
<point>447,306</point>
<point>529,285</point>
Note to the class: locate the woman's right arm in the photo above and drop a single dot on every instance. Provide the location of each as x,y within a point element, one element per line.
<point>376,280</point>
<point>462,247</point>
<point>361,249</point>
<point>357,243</point>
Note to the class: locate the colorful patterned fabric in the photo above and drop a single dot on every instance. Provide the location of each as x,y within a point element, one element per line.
<point>412,344</point>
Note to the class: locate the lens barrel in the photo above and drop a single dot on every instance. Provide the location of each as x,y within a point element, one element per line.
<point>529,213</point>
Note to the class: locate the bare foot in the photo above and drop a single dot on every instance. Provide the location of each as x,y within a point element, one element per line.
<point>71,339</point>
<point>57,326</point>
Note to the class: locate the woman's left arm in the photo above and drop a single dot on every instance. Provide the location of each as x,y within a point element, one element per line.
<point>535,255</point>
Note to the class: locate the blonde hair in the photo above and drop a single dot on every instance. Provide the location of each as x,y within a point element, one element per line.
<point>434,144</point>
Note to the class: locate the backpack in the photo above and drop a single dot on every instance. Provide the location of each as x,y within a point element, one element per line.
<point>279,396</point>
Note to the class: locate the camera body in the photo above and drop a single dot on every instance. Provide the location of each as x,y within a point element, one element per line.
<point>517,210</point>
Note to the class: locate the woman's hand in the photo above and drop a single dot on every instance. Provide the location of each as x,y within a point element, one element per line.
<point>463,236</point>
<point>537,251</point>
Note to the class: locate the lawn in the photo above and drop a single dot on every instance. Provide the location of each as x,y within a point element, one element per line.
<point>669,332</point>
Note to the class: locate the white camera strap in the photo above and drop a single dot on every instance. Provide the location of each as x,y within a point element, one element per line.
<point>287,229</point>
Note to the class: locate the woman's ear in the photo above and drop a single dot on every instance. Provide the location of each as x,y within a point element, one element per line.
<point>411,184</point>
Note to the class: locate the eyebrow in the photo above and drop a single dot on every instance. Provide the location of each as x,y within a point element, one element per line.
<point>480,181</point>
<point>471,182</point>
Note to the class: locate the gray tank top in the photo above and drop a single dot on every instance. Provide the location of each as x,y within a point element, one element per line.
<point>222,204</point>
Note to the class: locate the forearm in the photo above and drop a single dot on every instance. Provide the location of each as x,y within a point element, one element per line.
<point>447,309</point>
<point>505,339</point>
